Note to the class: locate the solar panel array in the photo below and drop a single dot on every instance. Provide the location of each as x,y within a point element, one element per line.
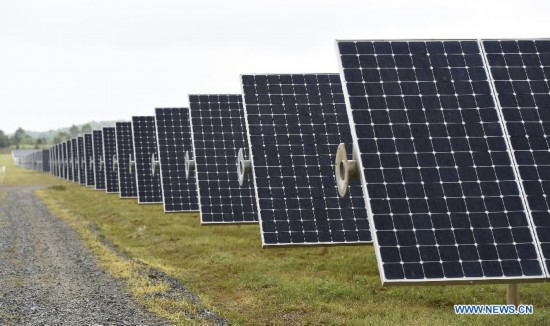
<point>110,157</point>
<point>125,154</point>
<point>145,147</point>
<point>450,138</point>
<point>295,124</point>
<point>174,139</point>
<point>98,159</point>
<point>89,158</point>
<point>219,131</point>
<point>38,160</point>
<point>81,159</point>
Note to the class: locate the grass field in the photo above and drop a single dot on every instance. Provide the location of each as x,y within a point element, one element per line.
<point>235,277</point>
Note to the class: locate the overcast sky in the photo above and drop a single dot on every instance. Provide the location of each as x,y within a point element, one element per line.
<point>72,61</point>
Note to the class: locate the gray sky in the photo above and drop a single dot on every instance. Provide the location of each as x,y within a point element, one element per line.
<point>72,61</point>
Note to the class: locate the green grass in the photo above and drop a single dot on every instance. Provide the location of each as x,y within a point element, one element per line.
<point>235,277</point>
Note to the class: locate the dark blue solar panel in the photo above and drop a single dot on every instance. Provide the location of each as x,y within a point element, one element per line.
<point>89,157</point>
<point>69,157</point>
<point>59,160</point>
<point>520,70</point>
<point>81,160</point>
<point>174,138</point>
<point>145,146</point>
<point>125,154</point>
<point>109,153</point>
<point>55,158</point>
<point>97,147</point>
<point>45,160</point>
<point>74,157</point>
<point>219,131</point>
<point>64,160</point>
<point>444,198</point>
<point>295,123</point>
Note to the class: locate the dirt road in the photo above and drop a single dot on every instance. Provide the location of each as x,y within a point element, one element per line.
<point>47,276</point>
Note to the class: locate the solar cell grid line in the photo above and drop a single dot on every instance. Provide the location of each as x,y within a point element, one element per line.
<point>295,123</point>
<point>445,204</point>
<point>98,159</point>
<point>81,160</point>
<point>179,192</point>
<point>519,71</point>
<point>88,160</point>
<point>109,154</point>
<point>76,166</point>
<point>149,190</point>
<point>125,154</point>
<point>69,160</point>
<point>218,132</point>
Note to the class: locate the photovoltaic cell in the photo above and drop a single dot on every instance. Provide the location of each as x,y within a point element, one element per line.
<point>81,160</point>
<point>125,154</point>
<point>520,70</point>
<point>295,124</point>
<point>219,131</point>
<point>97,147</point>
<point>174,139</point>
<point>109,153</point>
<point>145,146</point>
<point>89,157</point>
<point>444,200</point>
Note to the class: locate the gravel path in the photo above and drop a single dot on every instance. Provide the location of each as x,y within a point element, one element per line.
<point>48,277</point>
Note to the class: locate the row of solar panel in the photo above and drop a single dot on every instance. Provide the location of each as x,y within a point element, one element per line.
<point>449,142</point>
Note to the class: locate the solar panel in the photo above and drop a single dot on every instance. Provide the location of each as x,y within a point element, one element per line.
<point>98,159</point>
<point>519,71</point>
<point>218,132</point>
<point>179,192</point>
<point>45,160</point>
<point>57,170</point>
<point>52,160</point>
<point>89,158</point>
<point>74,156</point>
<point>69,159</point>
<point>109,154</point>
<point>295,124</point>
<point>125,155</point>
<point>444,201</point>
<point>64,162</point>
<point>53,154</point>
<point>145,148</point>
<point>81,160</point>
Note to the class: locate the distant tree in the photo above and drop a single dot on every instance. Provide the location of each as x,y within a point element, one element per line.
<point>87,128</point>
<point>4,140</point>
<point>18,137</point>
<point>74,131</point>
<point>41,141</point>
<point>61,136</point>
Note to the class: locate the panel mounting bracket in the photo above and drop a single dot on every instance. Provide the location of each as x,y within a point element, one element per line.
<point>345,170</point>
<point>244,167</point>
